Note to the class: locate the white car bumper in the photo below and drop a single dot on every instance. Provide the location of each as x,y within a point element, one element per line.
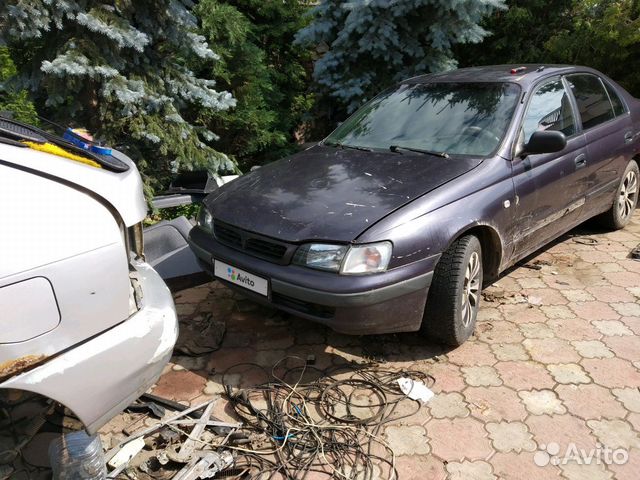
<point>100,377</point>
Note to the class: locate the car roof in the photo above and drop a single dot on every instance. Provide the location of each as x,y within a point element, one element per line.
<point>525,73</point>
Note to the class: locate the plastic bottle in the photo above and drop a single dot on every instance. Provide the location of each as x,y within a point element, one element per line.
<point>77,456</point>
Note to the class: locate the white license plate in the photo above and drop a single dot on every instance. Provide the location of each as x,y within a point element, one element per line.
<point>240,277</point>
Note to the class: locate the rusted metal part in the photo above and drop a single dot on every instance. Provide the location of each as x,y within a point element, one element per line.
<point>185,453</point>
<point>12,367</point>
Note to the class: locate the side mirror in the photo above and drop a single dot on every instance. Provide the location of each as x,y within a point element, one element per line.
<point>545,141</point>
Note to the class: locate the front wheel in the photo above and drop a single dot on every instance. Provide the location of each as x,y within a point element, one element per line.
<point>454,295</point>
<point>626,199</point>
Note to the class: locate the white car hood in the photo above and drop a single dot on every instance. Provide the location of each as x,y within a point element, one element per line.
<point>122,190</point>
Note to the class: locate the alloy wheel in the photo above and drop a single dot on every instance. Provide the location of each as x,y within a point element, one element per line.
<point>471,289</point>
<point>628,195</point>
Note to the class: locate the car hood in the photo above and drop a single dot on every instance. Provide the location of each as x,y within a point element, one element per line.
<point>123,190</point>
<point>327,193</point>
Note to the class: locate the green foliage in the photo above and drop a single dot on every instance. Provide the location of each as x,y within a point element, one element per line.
<point>189,211</point>
<point>518,34</point>
<point>604,34</point>
<point>15,102</point>
<point>263,69</point>
<point>371,44</point>
<point>125,71</point>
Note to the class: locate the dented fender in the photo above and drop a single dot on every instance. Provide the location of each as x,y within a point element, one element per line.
<point>100,377</point>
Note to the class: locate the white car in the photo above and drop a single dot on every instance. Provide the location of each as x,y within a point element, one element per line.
<point>84,320</point>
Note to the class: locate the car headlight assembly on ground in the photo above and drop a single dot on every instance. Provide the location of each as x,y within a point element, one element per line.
<point>345,259</point>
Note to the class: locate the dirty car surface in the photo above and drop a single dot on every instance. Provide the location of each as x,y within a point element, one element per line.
<point>396,220</point>
<point>85,321</point>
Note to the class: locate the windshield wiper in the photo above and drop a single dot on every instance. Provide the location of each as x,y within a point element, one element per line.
<point>398,148</point>
<point>346,145</point>
<point>20,132</point>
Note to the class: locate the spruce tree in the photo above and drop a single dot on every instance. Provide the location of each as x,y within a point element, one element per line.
<point>125,71</point>
<point>370,44</point>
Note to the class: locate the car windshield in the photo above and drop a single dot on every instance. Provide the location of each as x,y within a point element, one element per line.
<point>451,118</point>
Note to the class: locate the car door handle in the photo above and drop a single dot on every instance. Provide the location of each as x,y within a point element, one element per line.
<point>581,161</point>
<point>628,137</point>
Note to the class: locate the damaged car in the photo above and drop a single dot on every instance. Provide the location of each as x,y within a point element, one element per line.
<point>86,321</point>
<point>429,191</point>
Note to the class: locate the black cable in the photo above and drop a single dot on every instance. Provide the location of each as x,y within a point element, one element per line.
<point>312,420</point>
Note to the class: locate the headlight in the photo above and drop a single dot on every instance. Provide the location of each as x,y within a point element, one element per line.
<point>345,259</point>
<point>205,220</point>
<point>370,258</point>
<point>321,256</point>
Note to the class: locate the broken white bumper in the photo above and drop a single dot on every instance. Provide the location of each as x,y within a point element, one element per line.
<point>100,377</point>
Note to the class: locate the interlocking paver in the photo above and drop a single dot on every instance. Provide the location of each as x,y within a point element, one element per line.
<point>568,373</point>
<point>449,377</point>
<point>562,430</point>
<point>627,346</point>
<point>612,327</point>
<point>470,471</point>
<point>557,311</point>
<point>615,433</point>
<point>540,402</point>
<point>444,437</point>
<point>536,330</point>
<point>472,353</point>
<point>551,350</point>
<point>521,466</point>
<point>577,295</point>
<point>592,471</point>
<point>509,352</point>
<point>448,405</point>
<point>612,372</point>
<point>627,470</point>
<point>611,294</point>
<point>407,440</point>
<point>497,332</point>
<point>420,467</point>
<point>627,309</point>
<point>495,403</point>
<point>511,437</point>
<point>630,398</point>
<point>481,376</point>
<point>592,349</point>
<point>555,361</point>
<point>590,401</point>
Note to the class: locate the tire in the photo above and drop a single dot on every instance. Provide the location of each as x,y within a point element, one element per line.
<point>453,301</point>
<point>626,200</point>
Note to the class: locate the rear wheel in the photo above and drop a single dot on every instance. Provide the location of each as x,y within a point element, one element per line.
<point>454,295</point>
<point>626,199</point>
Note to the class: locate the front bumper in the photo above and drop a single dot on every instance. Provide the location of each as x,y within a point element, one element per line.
<point>388,302</point>
<point>99,378</point>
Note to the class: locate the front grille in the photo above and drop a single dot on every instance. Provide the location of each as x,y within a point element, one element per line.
<point>263,247</point>
<point>254,244</point>
<point>227,235</point>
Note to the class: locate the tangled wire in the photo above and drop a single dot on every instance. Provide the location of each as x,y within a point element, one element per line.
<point>323,421</point>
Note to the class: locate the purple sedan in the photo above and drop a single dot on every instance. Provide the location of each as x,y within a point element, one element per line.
<point>397,219</point>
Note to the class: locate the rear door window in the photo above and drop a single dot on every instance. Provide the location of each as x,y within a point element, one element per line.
<point>616,101</point>
<point>593,101</point>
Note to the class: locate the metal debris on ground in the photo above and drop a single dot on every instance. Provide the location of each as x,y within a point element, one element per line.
<point>635,253</point>
<point>585,240</point>
<point>300,421</point>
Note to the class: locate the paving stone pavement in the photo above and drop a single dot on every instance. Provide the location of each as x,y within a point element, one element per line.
<point>554,367</point>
